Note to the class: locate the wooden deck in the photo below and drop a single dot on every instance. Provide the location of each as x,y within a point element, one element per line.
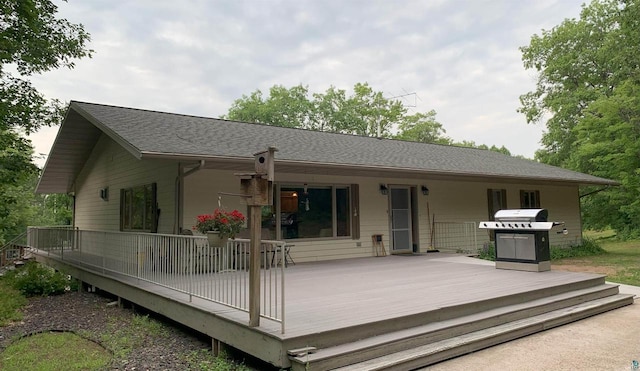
<point>335,302</point>
<point>336,294</point>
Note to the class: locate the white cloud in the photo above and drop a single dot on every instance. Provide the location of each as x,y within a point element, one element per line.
<point>461,57</point>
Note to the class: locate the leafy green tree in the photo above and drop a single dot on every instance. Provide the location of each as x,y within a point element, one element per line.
<point>608,145</point>
<point>32,41</point>
<point>472,144</point>
<point>283,107</point>
<point>422,127</point>
<point>587,91</point>
<point>365,112</point>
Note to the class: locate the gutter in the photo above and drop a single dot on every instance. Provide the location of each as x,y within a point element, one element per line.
<point>594,192</point>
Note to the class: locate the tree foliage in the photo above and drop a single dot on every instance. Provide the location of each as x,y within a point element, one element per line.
<point>422,127</point>
<point>32,41</point>
<point>363,113</point>
<point>587,91</point>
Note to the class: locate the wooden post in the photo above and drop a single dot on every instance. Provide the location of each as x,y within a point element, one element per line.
<point>257,188</point>
<point>254,266</point>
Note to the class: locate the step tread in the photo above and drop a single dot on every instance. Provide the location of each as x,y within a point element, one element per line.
<point>536,323</point>
<point>440,325</point>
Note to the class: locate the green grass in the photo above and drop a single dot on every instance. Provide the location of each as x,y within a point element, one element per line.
<point>122,341</point>
<point>11,301</point>
<point>621,262</point>
<point>589,247</point>
<point>54,351</point>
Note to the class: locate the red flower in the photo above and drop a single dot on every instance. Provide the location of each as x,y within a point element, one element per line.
<point>227,223</point>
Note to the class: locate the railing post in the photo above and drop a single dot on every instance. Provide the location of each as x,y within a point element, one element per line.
<point>282,266</point>
<point>191,262</point>
<point>254,267</point>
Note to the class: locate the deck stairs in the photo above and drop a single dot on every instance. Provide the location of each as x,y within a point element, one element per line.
<point>420,340</point>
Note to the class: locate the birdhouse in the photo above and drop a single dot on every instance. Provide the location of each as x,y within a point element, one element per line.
<point>264,163</point>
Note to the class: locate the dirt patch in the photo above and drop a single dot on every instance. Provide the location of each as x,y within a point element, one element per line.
<point>609,271</point>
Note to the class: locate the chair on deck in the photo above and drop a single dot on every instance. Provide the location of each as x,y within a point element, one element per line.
<point>287,255</point>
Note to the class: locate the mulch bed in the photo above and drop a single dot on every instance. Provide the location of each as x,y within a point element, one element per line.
<point>89,314</point>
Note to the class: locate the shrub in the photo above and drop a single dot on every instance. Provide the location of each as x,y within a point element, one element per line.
<point>487,252</point>
<point>11,301</point>
<point>588,247</point>
<point>35,279</point>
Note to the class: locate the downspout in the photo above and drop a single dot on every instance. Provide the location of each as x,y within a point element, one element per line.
<point>177,226</point>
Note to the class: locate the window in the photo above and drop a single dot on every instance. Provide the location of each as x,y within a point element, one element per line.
<point>138,209</point>
<point>497,200</point>
<point>314,212</point>
<point>530,199</point>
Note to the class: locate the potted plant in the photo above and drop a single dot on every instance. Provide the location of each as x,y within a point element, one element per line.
<point>220,226</point>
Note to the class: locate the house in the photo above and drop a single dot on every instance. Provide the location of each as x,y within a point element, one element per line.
<point>139,170</point>
<point>133,172</point>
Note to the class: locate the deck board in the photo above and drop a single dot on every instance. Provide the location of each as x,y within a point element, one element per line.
<point>330,295</point>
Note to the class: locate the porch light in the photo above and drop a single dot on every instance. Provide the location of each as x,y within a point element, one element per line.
<point>425,190</point>
<point>104,194</point>
<point>383,189</point>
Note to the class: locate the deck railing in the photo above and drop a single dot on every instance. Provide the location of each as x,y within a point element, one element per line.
<point>18,248</point>
<point>456,236</point>
<point>13,251</point>
<point>186,264</point>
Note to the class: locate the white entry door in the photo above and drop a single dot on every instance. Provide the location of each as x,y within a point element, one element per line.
<point>401,241</point>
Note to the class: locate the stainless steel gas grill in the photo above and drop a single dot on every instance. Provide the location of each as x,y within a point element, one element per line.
<point>522,239</point>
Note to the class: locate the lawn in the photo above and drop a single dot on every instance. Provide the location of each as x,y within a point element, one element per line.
<point>84,350</point>
<point>621,263</point>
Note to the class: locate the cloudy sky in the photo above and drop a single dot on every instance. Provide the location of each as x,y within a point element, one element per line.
<point>459,57</point>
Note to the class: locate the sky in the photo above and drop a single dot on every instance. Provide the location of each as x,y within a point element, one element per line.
<point>460,58</point>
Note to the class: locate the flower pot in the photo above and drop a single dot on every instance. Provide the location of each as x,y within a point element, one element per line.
<point>215,240</point>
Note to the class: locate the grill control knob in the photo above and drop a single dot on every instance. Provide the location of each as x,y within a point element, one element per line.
<point>529,225</point>
<point>485,224</point>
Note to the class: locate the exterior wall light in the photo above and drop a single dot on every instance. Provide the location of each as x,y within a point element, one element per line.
<point>383,189</point>
<point>104,194</point>
<point>425,190</point>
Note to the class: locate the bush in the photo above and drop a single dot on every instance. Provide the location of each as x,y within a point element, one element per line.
<point>35,279</point>
<point>11,301</point>
<point>488,252</point>
<point>588,247</point>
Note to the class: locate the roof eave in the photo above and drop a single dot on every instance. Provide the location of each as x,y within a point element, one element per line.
<point>375,170</point>
<point>107,130</point>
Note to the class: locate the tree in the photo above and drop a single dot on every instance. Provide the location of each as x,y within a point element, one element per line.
<point>422,127</point>
<point>32,41</point>
<point>472,144</point>
<point>366,112</point>
<point>588,79</point>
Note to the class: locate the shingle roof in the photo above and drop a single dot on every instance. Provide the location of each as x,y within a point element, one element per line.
<point>150,133</point>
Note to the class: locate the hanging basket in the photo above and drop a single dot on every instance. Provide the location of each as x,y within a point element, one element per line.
<point>215,240</point>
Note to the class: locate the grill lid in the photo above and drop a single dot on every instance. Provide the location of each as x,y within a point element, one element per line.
<point>520,219</point>
<point>522,215</point>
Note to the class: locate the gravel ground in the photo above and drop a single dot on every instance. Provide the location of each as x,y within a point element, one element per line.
<point>89,314</point>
